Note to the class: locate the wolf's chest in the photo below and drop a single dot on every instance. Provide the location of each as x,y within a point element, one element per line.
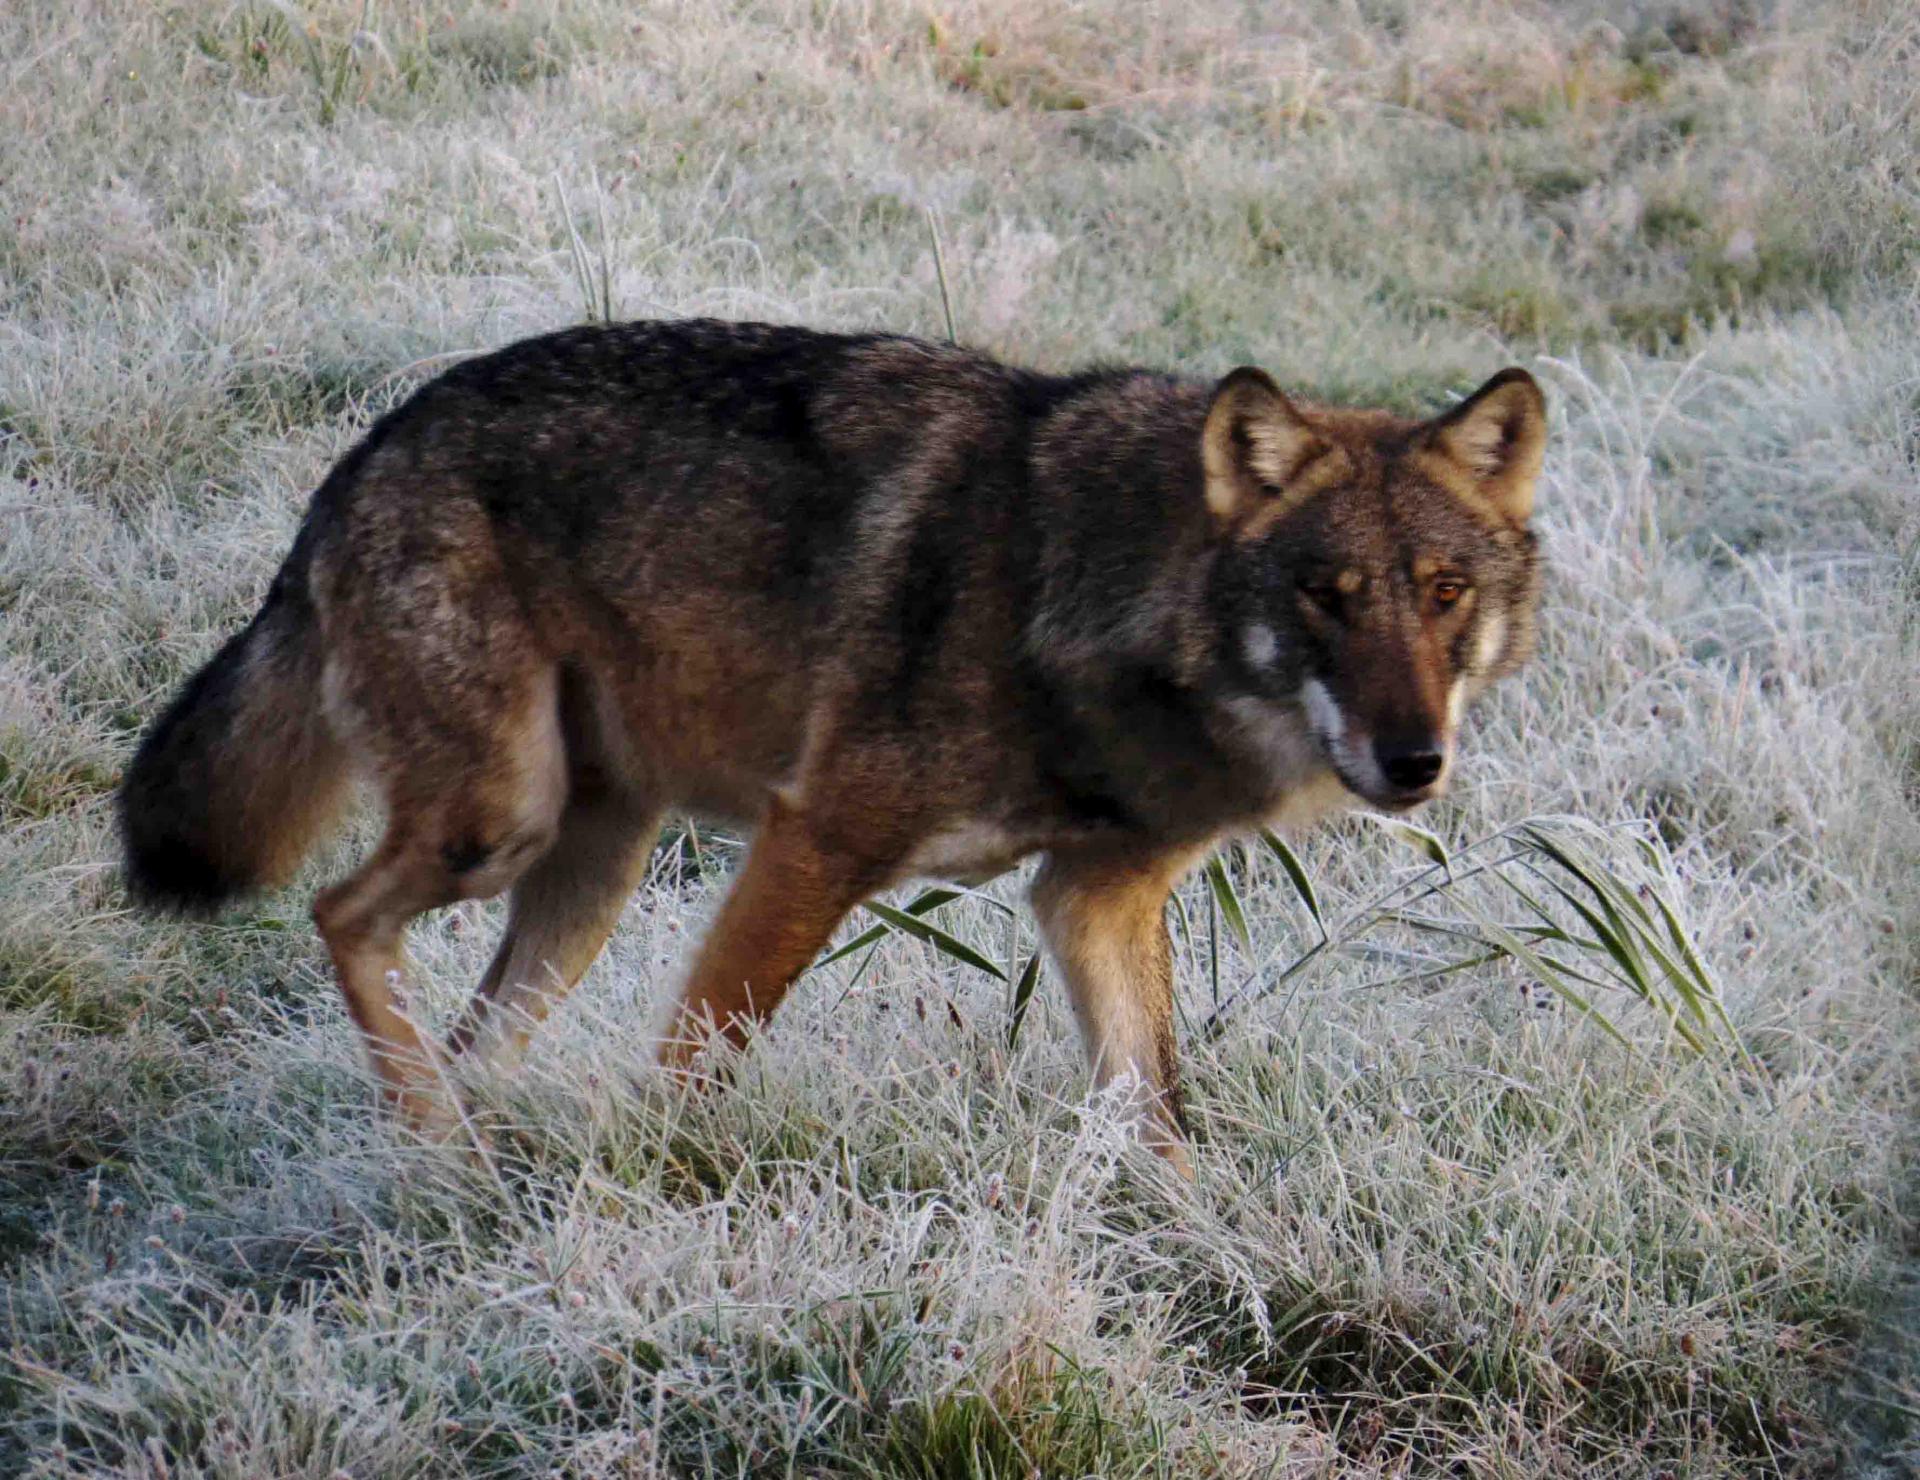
<point>969,852</point>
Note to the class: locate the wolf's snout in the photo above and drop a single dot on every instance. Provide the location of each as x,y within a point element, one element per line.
<point>1410,765</point>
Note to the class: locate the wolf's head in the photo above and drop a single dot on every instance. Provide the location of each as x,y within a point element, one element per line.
<point>1378,571</point>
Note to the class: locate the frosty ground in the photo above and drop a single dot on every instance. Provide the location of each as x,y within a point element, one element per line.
<point>1445,1221</point>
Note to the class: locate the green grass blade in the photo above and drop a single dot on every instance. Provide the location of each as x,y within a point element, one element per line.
<point>1632,937</point>
<point>940,272</point>
<point>920,904</point>
<point>1297,874</point>
<point>933,935</point>
<point>1186,922</point>
<point>1416,838</point>
<point>1697,968</point>
<point>1228,899</point>
<point>1535,933</point>
<point>1022,999</point>
<point>1546,970</point>
<point>1613,940</point>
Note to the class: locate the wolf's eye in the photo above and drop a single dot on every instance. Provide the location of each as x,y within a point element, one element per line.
<point>1447,592</point>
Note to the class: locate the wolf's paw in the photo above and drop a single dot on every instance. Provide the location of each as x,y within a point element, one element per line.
<point>435,1115</point>
<point>1176,1156</point>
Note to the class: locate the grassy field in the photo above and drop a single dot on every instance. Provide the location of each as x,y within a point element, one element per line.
<point>1444,1222</point>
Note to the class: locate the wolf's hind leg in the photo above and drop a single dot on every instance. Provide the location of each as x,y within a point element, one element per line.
<point>1104,919</point>
<point>466,816</point>
<point>563,910</point>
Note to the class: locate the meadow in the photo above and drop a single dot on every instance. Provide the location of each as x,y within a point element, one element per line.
<point>1571,1134</point>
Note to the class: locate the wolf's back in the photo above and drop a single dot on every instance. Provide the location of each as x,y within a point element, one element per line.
<point>235,778</point>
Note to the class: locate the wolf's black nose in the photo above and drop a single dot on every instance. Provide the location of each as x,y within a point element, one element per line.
<point>1410,766</point>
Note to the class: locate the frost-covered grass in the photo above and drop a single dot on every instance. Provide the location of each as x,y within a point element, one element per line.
<point>1441,1224</point>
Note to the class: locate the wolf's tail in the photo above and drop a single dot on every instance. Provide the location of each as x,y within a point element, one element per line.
<point>231,785</point>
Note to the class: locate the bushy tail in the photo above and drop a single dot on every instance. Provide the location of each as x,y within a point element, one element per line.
<point>232,783</point>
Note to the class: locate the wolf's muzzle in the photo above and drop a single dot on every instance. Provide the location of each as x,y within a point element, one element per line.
<point>1409,766</point>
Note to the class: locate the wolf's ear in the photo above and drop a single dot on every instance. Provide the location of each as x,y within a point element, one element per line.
<point>1258,452</point>
<point>1498,435</point>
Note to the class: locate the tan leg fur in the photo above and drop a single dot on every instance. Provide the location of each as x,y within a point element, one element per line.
<point>781,912</point>
<point>563,910</point>
<point>441,845</point>
<point>1104,920</point>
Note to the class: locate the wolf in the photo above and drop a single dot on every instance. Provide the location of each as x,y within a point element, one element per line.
<point>901,608</point>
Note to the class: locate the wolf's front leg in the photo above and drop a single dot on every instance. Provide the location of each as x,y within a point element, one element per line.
<point>1104,919</point>
<point>782,909</point>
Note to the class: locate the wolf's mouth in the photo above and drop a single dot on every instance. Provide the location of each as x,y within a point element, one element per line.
<point>1352,757</point>
<point>1386,798</point>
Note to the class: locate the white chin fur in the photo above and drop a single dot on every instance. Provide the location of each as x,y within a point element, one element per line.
<point>1355,763</point>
